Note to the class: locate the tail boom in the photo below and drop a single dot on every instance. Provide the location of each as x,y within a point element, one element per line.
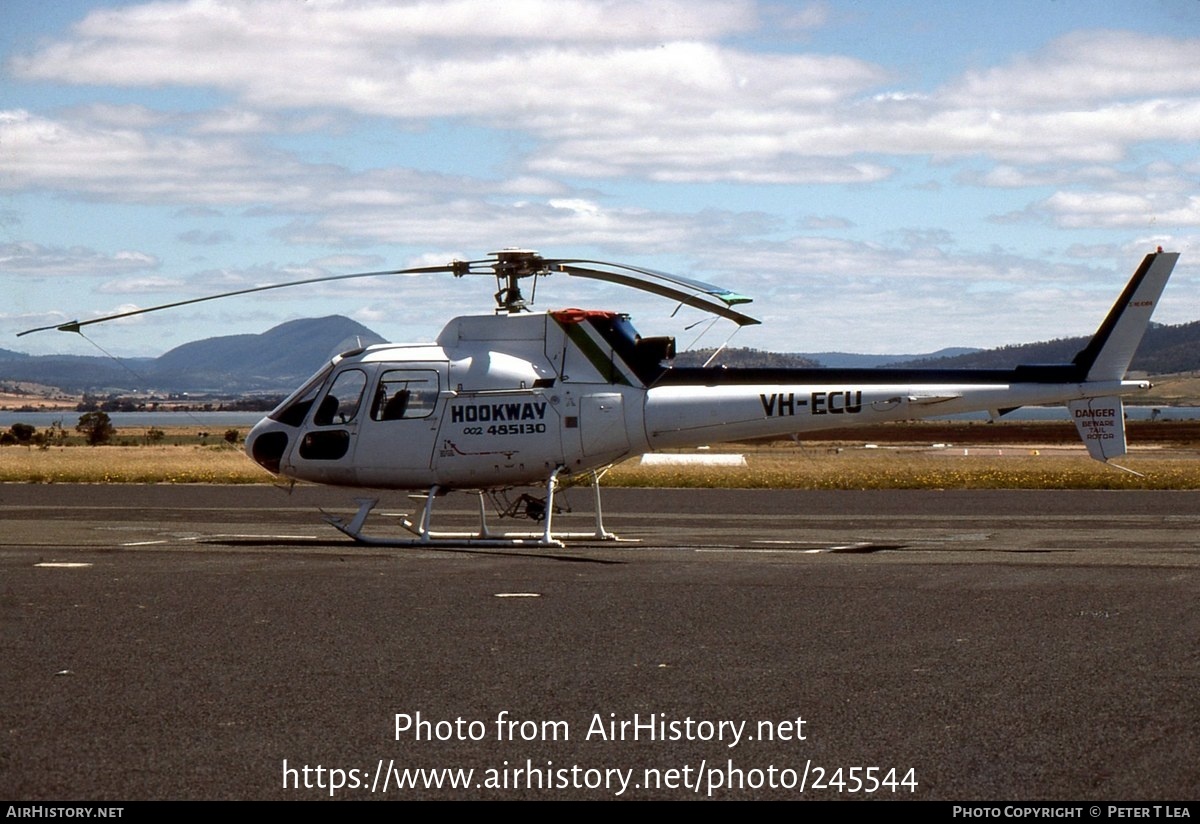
<point>683,416</point>
<point>690,406</point>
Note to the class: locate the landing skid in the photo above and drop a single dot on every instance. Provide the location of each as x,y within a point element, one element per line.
<point>423,534</point>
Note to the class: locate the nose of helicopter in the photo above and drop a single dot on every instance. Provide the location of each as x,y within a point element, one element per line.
<point>267,443</point>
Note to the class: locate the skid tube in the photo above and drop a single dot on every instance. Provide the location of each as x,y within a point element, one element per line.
<point>424,536</point>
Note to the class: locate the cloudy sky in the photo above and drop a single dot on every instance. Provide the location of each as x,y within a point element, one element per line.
<point>879,176</point>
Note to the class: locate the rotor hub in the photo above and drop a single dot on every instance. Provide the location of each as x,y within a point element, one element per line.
<point>522,262</point>
<point>511,265</point>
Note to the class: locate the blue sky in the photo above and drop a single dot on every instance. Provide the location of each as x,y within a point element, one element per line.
<point>880,177</point>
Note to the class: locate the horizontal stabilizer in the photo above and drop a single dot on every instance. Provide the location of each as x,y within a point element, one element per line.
<point>928,400</point>
<point>1101,424</point>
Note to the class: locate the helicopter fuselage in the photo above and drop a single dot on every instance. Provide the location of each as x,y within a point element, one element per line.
<point>508,399</point>
<point>498,400</point>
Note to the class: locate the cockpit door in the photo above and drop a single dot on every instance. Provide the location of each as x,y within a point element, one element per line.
<point>399,429</point>
<point>326,449</point>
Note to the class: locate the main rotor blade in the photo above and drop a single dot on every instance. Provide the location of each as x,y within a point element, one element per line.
<point>696,293</point>
<point>728,297</point>
<point>457,267</point>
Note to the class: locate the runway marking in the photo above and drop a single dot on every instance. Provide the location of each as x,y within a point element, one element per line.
<point>759,551</point>
<point>240,535</point>
<point>864,547</point>
<point>260,537</point>
<point>819,549</point>
<point>518,595</point>
<point>61,565</point>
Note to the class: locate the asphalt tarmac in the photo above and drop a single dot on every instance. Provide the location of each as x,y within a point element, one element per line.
<point>196,642</point>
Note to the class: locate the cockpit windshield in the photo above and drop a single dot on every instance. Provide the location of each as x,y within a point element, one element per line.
<point>296,405</point>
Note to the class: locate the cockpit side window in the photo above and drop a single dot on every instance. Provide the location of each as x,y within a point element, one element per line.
<point>405,393</point>
<point>341,402</point>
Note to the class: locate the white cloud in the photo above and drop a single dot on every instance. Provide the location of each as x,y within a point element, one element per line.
<point>569,71</point>
<point>820,294</point>
<point>1117,210</point>
<point>46,261</point>
<point>486,223</point>
<point>198,237</point>
<point>235,121</point>
<point>131,286</point>
<point>628,89</point>
<point>1085,68</point>
<point>250,46</point>
<point>808,16</point>
<point>126,164</point>
<point>825,222</point>
<point>206,171</point>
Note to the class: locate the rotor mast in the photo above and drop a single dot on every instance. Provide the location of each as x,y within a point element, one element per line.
<point>511,265</point>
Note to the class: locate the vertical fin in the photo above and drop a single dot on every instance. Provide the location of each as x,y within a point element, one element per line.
<point>1108,353</point>
<point>1101,424</point>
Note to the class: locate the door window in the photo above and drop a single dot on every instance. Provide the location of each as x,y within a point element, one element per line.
<point>341,402</point>
<point>405,393</point>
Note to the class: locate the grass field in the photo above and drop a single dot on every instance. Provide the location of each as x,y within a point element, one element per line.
<point>969,456</point>
<point>132,464</point>
<point>815,467</point>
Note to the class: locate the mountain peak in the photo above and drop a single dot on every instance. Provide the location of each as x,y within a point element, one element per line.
<point>277,360</point>
<point>280,358</point>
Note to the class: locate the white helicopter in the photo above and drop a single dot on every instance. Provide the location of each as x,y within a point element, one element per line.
<point>519,398</point>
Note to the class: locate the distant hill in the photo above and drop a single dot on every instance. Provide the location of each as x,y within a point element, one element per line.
<point>281,357</point>
<point>1164,350</point>
<point>76,373</point>
<point>743,357</point>
<point>849,360</point>
<point>277,360</point>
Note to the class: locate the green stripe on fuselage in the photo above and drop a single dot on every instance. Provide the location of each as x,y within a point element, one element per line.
<point>604,363</point>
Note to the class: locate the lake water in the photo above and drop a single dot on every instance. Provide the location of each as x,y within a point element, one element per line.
<point>205,421</point>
